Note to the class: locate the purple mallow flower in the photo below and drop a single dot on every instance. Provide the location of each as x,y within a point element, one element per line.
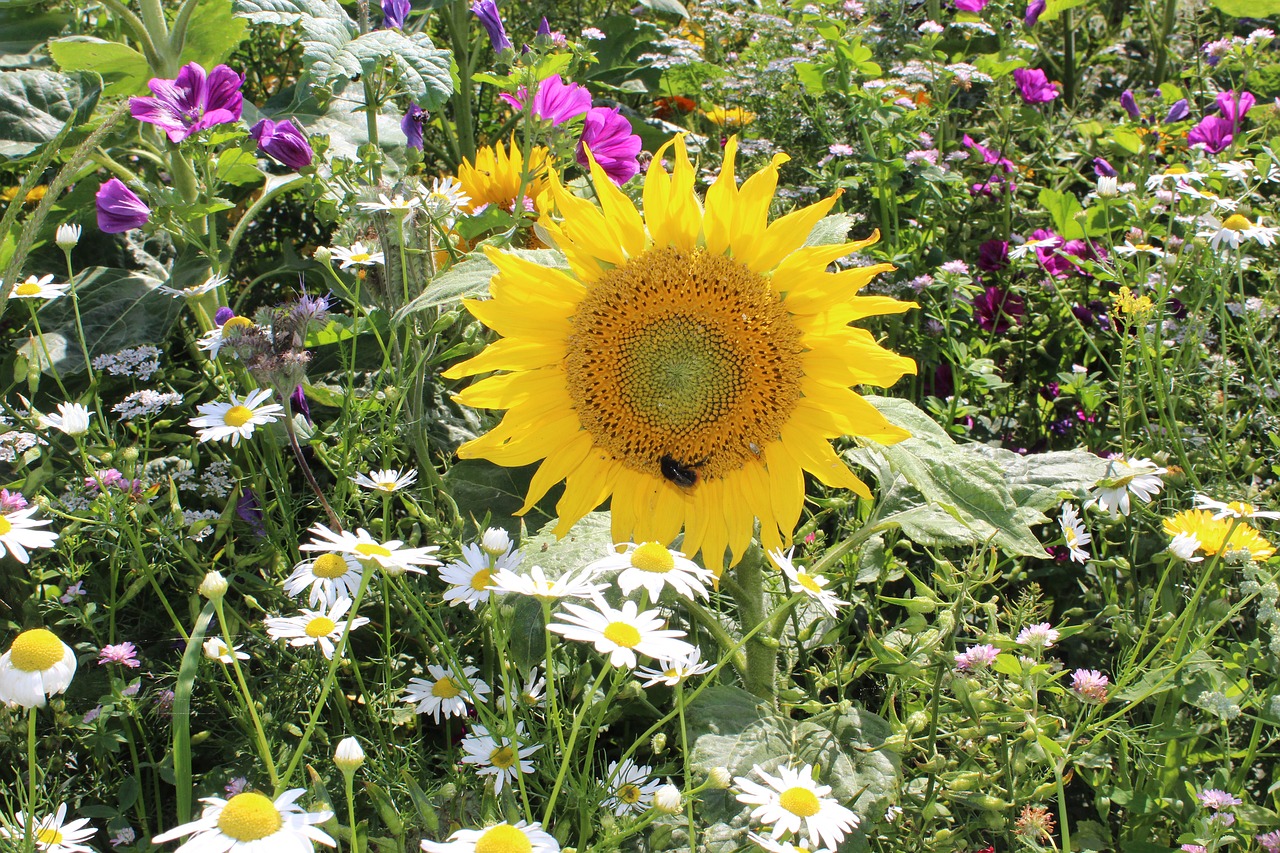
<point>487,12</point>
<point>993,255</point>
<point>1130,105</point>
<point>555,101</point>
<point>1103,169</point>
<point>283,142</point>
<point>995,307</point>
<point>1213,134</point>
<point>412,124</point>
<point>1177,112</point>
<point>1234,107</point>
<point>191,102</point>
<point>971,5</point>
<point>1034,10</point>
<point>1034,86</point>
<point>393,14</point>
<point>119,210</point>
<point>608,135</point>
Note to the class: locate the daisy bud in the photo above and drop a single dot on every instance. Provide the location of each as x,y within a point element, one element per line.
<point>323,255</point>
<point>495,541</point>
<point>719,777</point>
<point>658,743</point>
<point>667,799</point>
<point>349,756</point>
<point>214,586</point>
<point>1108,187</point>
<point>67,236</point>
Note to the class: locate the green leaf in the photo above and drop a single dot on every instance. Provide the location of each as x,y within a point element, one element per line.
<point>36,105</point>
<point>1062,208</point>
<point>181,716</point>
<point>23,31</point>
<point>831,230</point>
<point>471,278</point>
<point>811,77</point>
<point>670,8</point>
<point>124,70</point>
<point>421,68</point>
<point>213,33</point>
<point>590,539</point>
<point>1057,7</point>
<point>527,639</point>
<point>1248,8</point>
<point>238,167</point>
<point>480,488</point>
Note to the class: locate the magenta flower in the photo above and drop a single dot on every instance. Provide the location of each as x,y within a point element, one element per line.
<point>995,307</point>
<point>1034,10</point>
<point>1090,685</point>
<point>11,501</point>
<point>487,12</point>
<point>1213,134</point>
<point>412,124</point>
<point>976,657</point>
<point>283,142</point>
<point>989,155</point>
<point>555,101</point>
<point>192,102</point>
<point>119,210</point>
<point>1234,107</point>
<point>1215,798</point>
<point>971,5</point>
<point>993,255</point>
<point>125,654</point>
<point>1130,105</point>
<point>608,135</point>
<point>393,14</point>
<point>1034,87</point>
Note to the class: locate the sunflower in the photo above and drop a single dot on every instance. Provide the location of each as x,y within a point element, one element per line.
<point>730,117</point>
<point>1219,535</point>
<point>497,174</point>
<point>692,365</point>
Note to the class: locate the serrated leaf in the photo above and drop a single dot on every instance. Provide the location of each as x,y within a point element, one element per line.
<point>830,230</point>
<point>36,105</point>
<point>286,13</point>
<point>470,278</point>
<point>124,70</point>
<point>422,68</point>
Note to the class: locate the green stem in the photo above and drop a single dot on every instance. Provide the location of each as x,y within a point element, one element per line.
<point>29,825</point>
<point>264,749</point>
<point>348,779</point>
<point>573,739</point>
<point>251,214</point>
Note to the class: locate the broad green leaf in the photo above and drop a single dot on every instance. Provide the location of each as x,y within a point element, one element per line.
<point>588,541</point>
<point>124,70</point>
<point>1248,8</point>
<point>470,278</point>
<point>525,635</point>
<point>36,105</point>
<point>238,167</point>
<point>670,8</point>
<point>1062,207</point>
<point>23,31</point>
<point>1126,140</point>
<point>480,488</point>
<point>811,77</point>
<point>421,68</point>
<point>213,33</point>
<point>1057,7</point>
<point>1042,481</point>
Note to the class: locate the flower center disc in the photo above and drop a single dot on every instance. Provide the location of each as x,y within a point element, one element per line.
<point>445,689</point>
<point>629,794</point>
<point>35,650</point>
<point>622,634</point>
<point>5,525</point>
<point>27,289</point>
<point>321,626</point>
<point>329,566</point>
<point>248,817</point>
<point>481,580</point>
<point>689,356</point>
<point>504,838</point>
<point>503,757</point>
<point>809,582</point>
<point>48,836</point>
<point>368,549</point>
<point>1237,222</point>
<point>237,416</point>
<point>799,801</point>
<point>652,557</point>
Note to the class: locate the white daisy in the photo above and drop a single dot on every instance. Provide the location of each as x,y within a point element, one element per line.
<point>814,586</point>
<point>501,758</point>
<point>18,533</point>
<point>630,787</point>
<point>471,576</point>
<point>51,835</point>
<point>785,846</point>
<point>504,837</point>
<point>444,200</point>
<point>331,576</point>
<point>620,634</point>
<point>251,822</point>
<point>538,585</point>
<point>211,283</point>
<point>653,566</point>
<point>236,419</point>
<point>357,255</point>
<point>1237,170</point>
<point>392,558</point>
<point>314,627</point>
<point>386,480</point>
<point>1216,201</point>
<point>1139,477</point>
<point>216,649</point>
<point>1235,231</point>
<point>672,672</point>
<point>67,236</point>
<point>531,695</point>
<point>397,204</point>
<point>1129,249</point>
<point>38,288</point>
<point>446,693</point>
<point>793,800</point>
<point>72,419</point>
<point>37,665</point>
<point>496,541</point>
<point>1233,509</point>
<point>1018,252</point>
<point>1184,546</point>
<point>1074,534</point>
<point>1176,176</point>
<point>215,339</point>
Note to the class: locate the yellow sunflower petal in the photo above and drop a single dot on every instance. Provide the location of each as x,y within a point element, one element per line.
<point>559,463</point>
<point>619,212</point>
<point>671,209</point>
<point>784,234</point>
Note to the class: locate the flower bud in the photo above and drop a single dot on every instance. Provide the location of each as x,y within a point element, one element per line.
<point>323,255</point>
<point>214,586</point>
<point>719,777</point>
<point>348,756</point>
<point>667,799</point>
<point>495,542</point>
<point>67,236</point>
<point>658,743</point>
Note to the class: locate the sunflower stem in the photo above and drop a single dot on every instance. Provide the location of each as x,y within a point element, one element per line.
<point>762,651</point>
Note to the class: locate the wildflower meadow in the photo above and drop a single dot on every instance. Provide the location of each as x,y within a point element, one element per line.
<point>718,426</point>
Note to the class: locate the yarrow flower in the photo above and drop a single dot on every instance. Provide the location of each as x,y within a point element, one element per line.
<point>794,802</point>
<point>192,102</point>
<point>446,693</point>
<point>51,833</point>
<point>237,419</point>
<point>250,822</point>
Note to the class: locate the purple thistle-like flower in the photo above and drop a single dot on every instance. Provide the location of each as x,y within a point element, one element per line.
<point>119,209</point>
<point>1215,798</point>
<point>283,142</point>
<point>1034,86</point>
<point>1090,685</point>
<point>1034,10</point>
<point>393,14</point>
<point>1270,841</point>
<point>976,657</point>
<point>11,502</point>
<point>412,124</point>
<point>1213,134</point>
<point>192,102</point>
<point>125,654</point>
<point>1103,169</point>
<point>1178,111</point>
<point>993,255</point>
<point>608,135</point>
<point>1233,107</point>
<point>222,315</point>
<point>487,12</point>
<point>995,307</point>
<point>1130,105</point>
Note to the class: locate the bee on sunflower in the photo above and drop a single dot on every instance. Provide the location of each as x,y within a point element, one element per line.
<point>690,366</point>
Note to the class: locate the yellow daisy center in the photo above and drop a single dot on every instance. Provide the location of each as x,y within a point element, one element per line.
<point>504,757</point>
<point>504,838</point>
<point>35,650</point>
<point>1144,247</point>
<point>320,626</point>
<point>622,634</point>
<point>683,357</point>
<point>1237,222</point>
<point>369,549</point>
<point>5,525</point>
<point>249,816</point>
<point>809,582</point>
<point>652,557</point>
<point>27,288</point>
<point>800,801</point>
<point>48,835</point>
<point>329,566</point>
<point>236,323</point>
<point>1070,536</point>
<point>237,416</point>
<point>445,688</point>
<point>629,794</point>
<point>1240,507</point>
<point>481,580</point>
<point>360,257</point>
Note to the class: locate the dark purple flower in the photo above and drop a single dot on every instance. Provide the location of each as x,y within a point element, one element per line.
<point>544,29</point>
<point>1034,86</point>
<point>993,255</point>
<point>1213,133</point>
<point>250,513</point>
<point>1234,107</point>
<point>412,124</point>
<point>298,403</point>
<point>608,135</point>
<point>393,14</point>
<point>283,142</point>
<point>192,102</point>
<point>944,384</point>
<point>1034,10</point>
<point>996,307</point>
<point>223,315</point>
<point>971,5</point>
<point>487,12</point>
<point>1130,105</point>
<point>1178,111</point>
<point>1050,392</point>
<point>1103,169</point>
<point>119,210</point>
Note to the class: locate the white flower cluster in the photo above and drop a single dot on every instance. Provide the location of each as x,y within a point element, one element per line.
<point>140,404</point>
<point>138,362</point>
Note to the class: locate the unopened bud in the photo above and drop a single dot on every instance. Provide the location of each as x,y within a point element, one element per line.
<point>719,777</point>
<point>658,743</point>
<point>214,586</point>
<point>495,541</point>
<point>323,254</point>
<point>67,236</point>
<point>349,756</point>
<point>667,799</point>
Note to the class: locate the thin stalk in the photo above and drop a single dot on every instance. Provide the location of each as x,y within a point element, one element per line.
<point>264,749</point>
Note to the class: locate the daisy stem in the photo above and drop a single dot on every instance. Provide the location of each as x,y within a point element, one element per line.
<point>264,749</point>
<point>348,780</point>
<point>29,825</point>
<point>553,709</point>
<point>573,738</point>
<point>688,779</point>
<point>44,346</point>
<point>75,310</point>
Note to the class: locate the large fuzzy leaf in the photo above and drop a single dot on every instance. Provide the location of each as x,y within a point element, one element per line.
<point>124,70</point>
<point>36,105</point>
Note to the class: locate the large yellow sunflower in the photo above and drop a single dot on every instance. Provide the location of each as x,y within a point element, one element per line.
<point>690,366</point>
<point>1219,535</point>
<point>496,176</point>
